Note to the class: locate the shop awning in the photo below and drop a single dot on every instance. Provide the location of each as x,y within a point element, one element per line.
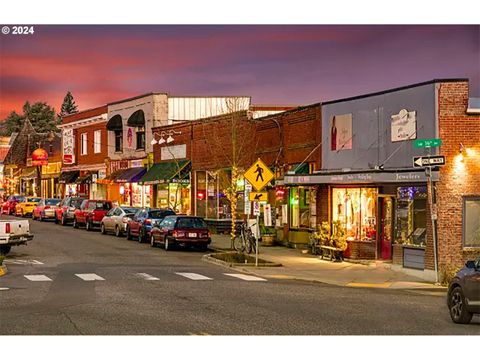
<point>131,175</point>
<point>166,172</point>
<point>84,179</point>
<point>68,177</point>
<point>28,174</point>
<point>110,179</point>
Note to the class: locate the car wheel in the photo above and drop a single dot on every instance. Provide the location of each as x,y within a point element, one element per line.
<point>129,234</point>
<point>5,249</point>
<point>102,229</point>
<point>141,235</point>
<point>456,304</point>
<point>166,245</point>
<point>75,223</point>
<point>152,241</point>
<point>40,217</point>
<point>33,216</point>
<point>64,221</point>
<point>118,233</point>
<point>56,219</point>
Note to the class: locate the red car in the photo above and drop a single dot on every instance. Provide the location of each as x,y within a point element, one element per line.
<point>181,230</point>
<point>66,209</point>
<point>91,213</point>
<point>45,209</point>
<point>8,207</point>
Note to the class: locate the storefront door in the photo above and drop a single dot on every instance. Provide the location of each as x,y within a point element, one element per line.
<point>385,207</point>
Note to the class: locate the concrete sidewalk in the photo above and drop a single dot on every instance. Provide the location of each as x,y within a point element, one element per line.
<point>299,265</point>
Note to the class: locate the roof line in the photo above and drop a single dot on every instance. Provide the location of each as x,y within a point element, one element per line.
<point>434,81</point>
<point>137,97</point>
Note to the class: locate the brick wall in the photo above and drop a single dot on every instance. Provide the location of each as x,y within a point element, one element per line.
<point>91,157</point>
<point>459,177</point>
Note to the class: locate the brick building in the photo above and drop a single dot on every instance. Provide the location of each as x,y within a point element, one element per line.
<point>371,188</point>
<point>85,149</point>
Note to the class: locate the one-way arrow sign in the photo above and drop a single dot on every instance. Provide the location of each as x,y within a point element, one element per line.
<point>422,161</point>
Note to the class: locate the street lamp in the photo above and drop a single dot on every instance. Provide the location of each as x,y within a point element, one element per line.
<point>163,134</point>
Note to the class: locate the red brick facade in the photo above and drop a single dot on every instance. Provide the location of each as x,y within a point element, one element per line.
<point>460,176</point>
<point>91,157</point>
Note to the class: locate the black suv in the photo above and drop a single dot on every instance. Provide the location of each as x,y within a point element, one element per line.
<point>463,298</point>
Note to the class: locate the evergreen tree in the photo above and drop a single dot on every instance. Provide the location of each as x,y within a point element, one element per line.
<point>68,106</point>
<point>12,123</point>
<point>41,115</point>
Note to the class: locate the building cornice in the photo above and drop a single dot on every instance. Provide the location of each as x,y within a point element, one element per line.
<point>84,122</point>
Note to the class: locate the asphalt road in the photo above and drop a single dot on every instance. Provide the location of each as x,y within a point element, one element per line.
<point>140,290</point>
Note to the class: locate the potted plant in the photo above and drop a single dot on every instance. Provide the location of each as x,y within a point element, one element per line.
<point>268,234</point>
<point>339,239</point>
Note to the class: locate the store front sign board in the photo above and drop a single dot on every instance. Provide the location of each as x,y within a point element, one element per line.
<point>363,178</point>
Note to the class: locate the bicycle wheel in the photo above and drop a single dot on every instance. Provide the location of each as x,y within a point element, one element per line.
<point>239,243</point>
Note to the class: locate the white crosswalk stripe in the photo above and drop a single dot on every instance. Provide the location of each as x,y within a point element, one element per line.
<point>193,276</point>
<point>146,276</point>
<point>37,278</point>
<point>246,277</point>
<point>90,277</point>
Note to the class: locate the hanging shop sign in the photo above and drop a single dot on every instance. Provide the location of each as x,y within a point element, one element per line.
<point>68,146</point>
<point>259,175</point>
<point>39,157</point>
<point>129,137</point>
<point>404,125</point>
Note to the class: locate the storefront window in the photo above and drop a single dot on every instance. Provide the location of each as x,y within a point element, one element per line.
<point>356,209</point>
<point>301,214</point>
<point>411,215</point>
<point>471,222</point>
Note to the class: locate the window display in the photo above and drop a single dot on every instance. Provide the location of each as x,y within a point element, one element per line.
<point>411,218</point>
<point>302,202</point>
<point>471,215</point>
<point>356,209</point>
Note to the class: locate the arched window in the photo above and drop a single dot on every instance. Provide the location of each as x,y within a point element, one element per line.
<point>137,121</point>
<point>115,125</point>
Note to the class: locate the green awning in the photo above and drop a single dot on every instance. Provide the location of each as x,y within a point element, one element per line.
<point>173,171</point>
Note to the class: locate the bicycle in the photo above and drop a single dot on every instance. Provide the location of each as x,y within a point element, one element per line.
<point>245,242</point>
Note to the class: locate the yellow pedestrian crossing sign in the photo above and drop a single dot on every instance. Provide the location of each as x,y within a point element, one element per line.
<point>258,196</point>
<point>258,175</point>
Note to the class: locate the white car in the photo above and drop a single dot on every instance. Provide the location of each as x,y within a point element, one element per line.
<point>116,220</point>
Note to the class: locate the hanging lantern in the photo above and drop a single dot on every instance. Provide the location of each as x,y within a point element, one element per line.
<point>39,157</point>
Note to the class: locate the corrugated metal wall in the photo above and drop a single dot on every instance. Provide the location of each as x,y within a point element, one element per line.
<point>193,108</point>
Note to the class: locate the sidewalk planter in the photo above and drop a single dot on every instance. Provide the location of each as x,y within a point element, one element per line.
<point>360,250</point>
<point>268,239</point>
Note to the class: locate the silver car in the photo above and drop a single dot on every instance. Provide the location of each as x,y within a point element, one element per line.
<point>116,220</point>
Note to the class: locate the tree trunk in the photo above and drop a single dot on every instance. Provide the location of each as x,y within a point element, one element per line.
<point>233,204</point>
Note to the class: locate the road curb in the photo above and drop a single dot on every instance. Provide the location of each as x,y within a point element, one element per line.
<point>210,258</point>
<point>3,270</point>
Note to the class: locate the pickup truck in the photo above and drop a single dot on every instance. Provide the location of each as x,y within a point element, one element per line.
<point>13,232</point>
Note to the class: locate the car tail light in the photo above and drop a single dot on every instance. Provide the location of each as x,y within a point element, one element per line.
<point>7,228</point>
<point>178,234</point>
<point>47,207</point>
<point>148,221</point>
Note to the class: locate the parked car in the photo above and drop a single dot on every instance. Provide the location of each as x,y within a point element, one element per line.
<point>26,207</point>
<point>116,220</point>
<point>141,223</point>
<point>66,209</point>
<point>8,206</point>
<point>45,209</point>
<point>181,230</point>
<point>91,213</point>
<point>463,297</point>
<point>13,232</point>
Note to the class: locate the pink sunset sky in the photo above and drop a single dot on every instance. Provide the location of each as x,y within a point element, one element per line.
<point>275,64</point>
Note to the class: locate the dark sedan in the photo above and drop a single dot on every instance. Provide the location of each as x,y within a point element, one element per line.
<point>181,230</point>
<point>464,293</point>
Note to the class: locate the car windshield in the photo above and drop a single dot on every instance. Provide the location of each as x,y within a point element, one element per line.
<point>52,201</point>
<point>76,202</point>
<point>130,210</point>
<point>20,198</point>
<point>33,199</point>
<point>102,206</point>
<point>160,214</point>
<point>191,223</point>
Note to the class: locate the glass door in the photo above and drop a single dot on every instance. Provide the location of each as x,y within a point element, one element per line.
<point>385,207</point>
